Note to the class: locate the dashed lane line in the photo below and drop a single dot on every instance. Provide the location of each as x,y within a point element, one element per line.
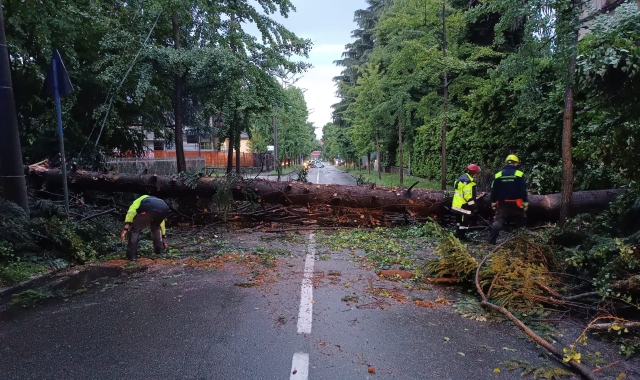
<point>300,366</point>
<point>305,314</point>
<point>300,363</point>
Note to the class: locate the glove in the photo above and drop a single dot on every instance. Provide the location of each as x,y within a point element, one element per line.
<point>494,205</point>
<point>123,234</point>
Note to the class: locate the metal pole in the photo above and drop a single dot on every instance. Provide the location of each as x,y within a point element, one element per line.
<point>63,160</point>
<point>14,187</point>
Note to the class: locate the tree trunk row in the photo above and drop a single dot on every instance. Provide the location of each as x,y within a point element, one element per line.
<point>417,202</point>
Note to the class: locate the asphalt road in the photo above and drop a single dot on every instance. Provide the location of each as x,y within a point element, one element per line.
<point>325,176</point>
<point>177,322</point>
<point>330,175</point>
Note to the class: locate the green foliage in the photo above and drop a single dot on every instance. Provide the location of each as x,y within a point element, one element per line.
<point>48,236</point>
<point>362,181</point>
<point>123,63</point>
<point>296,135</point>
<point>469,307</point>
<point>538,372</point>
<point>454,260</point>
<point>302,174</point>
<point>30,297</point>
<point>16,272</point>
<point>383,247</point>
<point>508,68</point>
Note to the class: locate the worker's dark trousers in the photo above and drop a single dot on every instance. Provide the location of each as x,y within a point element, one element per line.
<point>140,222</point>
<point>462,224</point>
<point>506,212</point>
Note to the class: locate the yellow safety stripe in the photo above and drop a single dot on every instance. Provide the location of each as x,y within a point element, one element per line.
<point>518,173</point>
<point>162,227</point>
<point>133,210</point>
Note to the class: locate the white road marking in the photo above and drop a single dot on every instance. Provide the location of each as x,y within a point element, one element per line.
<point>318,180</point>
<point>305,316</point>
<point>300,366</point>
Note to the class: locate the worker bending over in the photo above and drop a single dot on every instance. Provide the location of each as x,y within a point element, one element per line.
<point>146,211</point>
<point>508,197</point>
<point>464,199</point>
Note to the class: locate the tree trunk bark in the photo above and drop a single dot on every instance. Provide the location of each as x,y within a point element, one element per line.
<point>11,178</point>
<point>443,179</point>
<point>230,150</point>
<point>400,152</point>
<point>238,163</point>
<point>379,158</point>
<point>418,202</point>
<point>567,156</point>
<point>369,162</point>
<point>177,101</point>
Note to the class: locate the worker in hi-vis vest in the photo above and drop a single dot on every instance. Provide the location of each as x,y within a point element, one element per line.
<point>464,199</point>
<point>146,211</point>
<point>508,197</point>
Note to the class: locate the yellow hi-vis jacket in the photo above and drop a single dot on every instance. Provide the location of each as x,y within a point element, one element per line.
<point>465,194</point>
<point>133,211</point>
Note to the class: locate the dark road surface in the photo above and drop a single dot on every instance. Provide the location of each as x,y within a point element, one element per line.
<point>189,323</point>
<point>330,175</point>
<point>180,322</point>
<point>323,176</point>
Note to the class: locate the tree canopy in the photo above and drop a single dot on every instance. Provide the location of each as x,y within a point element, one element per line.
<point>507,68</point>
<point>143,67</point>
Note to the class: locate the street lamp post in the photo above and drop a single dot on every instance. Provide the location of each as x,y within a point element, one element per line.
<point>14,185</point>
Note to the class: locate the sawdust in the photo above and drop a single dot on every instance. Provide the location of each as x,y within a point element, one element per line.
<point>254,265</point>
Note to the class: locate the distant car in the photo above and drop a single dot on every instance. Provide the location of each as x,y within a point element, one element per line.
<point>319,164</point>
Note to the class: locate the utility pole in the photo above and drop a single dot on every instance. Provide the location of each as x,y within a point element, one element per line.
<point>14,186</point>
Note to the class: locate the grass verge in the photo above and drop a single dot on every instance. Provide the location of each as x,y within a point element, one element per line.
<point>391,180</point>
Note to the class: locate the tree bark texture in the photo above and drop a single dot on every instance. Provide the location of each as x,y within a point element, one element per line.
<point>443,179</point>
<point>177,101</point>
<point>400,152</point>
<point>369,162</point>
<point>567,127</point>
<point>379,156</point>
<point>230,146</point>
<point>417,202</point>
<point>11,178</point>
<point>238,137</point>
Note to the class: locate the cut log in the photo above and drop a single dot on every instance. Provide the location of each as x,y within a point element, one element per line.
<point>417,202</point>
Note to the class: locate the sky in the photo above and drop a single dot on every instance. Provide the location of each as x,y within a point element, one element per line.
<point>328,24</point>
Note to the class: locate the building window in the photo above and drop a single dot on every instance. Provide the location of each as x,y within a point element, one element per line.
<point>206,145</point>
<point>158,145</point>
<point>192,139</point>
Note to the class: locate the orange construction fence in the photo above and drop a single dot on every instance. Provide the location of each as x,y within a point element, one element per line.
<point>214,159</point>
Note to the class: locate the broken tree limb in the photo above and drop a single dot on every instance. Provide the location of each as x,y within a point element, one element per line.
<point>417,202</point>
<point>607,326</point>
<point>581,369</point>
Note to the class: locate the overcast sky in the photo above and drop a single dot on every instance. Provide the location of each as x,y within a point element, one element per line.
<point>328,23</point>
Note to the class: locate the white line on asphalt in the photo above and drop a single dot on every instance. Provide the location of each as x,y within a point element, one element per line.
<point>300,366</point>
<point>305,316</point>
<point>318,181</point>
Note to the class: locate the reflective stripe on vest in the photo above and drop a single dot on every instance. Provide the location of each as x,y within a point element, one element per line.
<point>461,210</point>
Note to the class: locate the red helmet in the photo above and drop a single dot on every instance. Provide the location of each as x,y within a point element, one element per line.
<point>473,168</point>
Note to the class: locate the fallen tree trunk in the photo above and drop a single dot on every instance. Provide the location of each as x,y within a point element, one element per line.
<point>416,202</point>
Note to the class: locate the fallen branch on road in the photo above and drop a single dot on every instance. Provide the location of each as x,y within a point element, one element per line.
<point>579,368</point>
